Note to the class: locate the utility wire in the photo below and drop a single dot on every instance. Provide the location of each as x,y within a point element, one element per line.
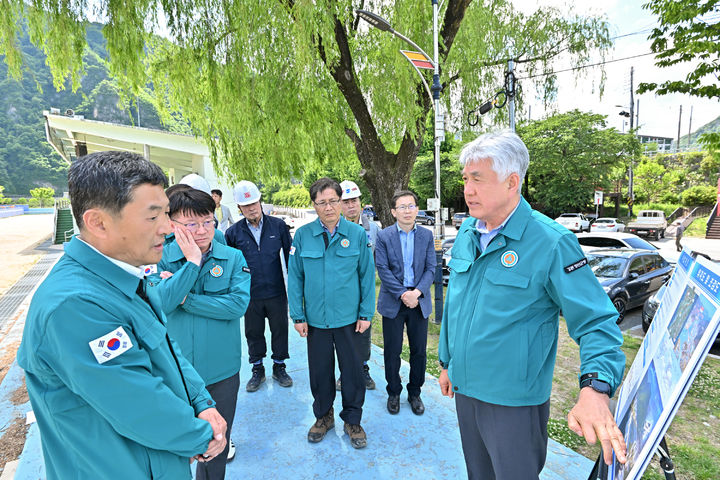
<point>586,66</point>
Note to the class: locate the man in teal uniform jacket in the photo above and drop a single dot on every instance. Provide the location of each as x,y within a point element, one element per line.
<point>112,394</point>
<point>205,292</point>
<point>512,271</point>
<point>331,295</point>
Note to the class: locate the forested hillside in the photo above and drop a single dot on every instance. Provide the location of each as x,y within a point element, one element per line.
<point>26,159</point>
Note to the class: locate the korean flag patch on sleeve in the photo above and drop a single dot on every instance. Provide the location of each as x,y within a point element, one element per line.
<point>110,345</point>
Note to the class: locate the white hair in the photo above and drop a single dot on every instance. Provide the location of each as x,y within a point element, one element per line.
<point>505,150</point>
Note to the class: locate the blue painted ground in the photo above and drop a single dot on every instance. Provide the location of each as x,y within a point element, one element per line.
<point>270,433</point>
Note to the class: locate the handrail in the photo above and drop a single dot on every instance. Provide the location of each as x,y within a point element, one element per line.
<point>713,217</point>
<point>675,214</point>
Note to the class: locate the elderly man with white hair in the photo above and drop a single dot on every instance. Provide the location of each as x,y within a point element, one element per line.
<point>513,270</point>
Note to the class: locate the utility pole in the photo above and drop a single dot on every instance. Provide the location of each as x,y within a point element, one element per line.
<point>690,126</point>
<point>632,99</point>
<point>637,114</point>
<point>631,193</point>
<point>679,125</point>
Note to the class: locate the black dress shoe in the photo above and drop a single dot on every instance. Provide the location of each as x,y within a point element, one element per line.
<point>416,404</point>
<point>393,404</point>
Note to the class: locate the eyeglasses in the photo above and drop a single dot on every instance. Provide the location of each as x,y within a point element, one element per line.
<point>332,203</point>
<point>408,208</point>
<point>193,226</point>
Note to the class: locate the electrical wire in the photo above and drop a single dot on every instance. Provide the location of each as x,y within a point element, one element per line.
<point>587,66</point>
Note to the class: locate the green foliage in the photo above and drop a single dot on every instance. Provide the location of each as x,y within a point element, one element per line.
<point>276,87</point>
<point>571,155</point>
<point>699,195</point>
<point>649,179</point>
<point>687,33</point>
<point>34,202</point>
<point>43,194</point>
<point>296,196</point>
<point>21,201</point>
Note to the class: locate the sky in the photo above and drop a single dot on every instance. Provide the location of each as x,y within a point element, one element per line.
<point>658,114</point>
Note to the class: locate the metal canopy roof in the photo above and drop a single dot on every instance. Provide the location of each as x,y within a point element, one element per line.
<point>72,136</point>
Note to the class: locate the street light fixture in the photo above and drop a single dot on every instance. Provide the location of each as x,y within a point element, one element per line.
<point>380,23</point>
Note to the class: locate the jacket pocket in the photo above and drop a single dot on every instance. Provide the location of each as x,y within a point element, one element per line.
<point>458,265</point>
<point>506,279</point>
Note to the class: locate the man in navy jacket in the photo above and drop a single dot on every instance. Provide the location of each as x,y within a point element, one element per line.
<point>405,261</point>
<point>265,242</point>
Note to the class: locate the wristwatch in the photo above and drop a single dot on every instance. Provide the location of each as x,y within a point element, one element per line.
<point>591,380</point>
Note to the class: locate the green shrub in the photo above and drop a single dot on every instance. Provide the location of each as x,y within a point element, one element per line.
<point>295,196</point>
<point>699,195</point>
<point>670,197</point>
<point>34,202</point>
<point>21,201</point>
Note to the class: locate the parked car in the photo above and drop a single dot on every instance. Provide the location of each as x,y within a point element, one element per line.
<point>459,218</point>
<point>607,224</point>
<point>447,243</point>
<point>447,255</point>
<point>651,223</point>
<point>289,221</point>
<point>425,218</point>
<point>575,222</point>
<point>613,240</point>
<point>650,309</point>
<point>628,275</point>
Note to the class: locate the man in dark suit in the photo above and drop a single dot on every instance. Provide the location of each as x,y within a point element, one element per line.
<point>405,261</point>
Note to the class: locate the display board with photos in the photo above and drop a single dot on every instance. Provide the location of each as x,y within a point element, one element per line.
<point>681,334</point>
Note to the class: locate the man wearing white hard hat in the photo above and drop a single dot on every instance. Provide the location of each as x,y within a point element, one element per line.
<point>353,211</point>
<point>263,240</point>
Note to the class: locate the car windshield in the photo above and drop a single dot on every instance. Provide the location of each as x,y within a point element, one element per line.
<point>569,215</point>
<point>604,220</point>
<point>640,243</point>
<point>607,266</point>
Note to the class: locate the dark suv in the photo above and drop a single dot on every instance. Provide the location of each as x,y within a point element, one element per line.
<point>629,276</point>
<point>425,218</point>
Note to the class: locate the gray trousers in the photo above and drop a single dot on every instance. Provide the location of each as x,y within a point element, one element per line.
<point>502,443</point>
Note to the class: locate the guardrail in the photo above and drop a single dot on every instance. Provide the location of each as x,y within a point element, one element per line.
<point>713,217</point>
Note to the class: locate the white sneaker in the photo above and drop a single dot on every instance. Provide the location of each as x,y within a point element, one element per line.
<point>231,451</point>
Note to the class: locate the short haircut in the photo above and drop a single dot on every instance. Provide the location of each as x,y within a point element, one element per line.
<point>191,202</point>
<point>505,150</point>
<point>323,184</point>
<point>403,193</point>
<point>216,192</point>
<point>176,188</point>
<point>106,180</point>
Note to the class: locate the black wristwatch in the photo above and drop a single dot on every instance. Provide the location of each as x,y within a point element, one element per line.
<point>591,380</point>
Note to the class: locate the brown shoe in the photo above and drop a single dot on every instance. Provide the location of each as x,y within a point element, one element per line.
<point>321,427</point>
<point>358,439</point>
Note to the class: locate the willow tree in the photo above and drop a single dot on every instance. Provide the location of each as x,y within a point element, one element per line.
<point>276,84</point>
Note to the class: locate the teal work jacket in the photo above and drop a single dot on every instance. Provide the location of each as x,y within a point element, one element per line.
<point>207,324</point>
<point>333,287</point>
<point>500,323</point>
<point>128,417</point>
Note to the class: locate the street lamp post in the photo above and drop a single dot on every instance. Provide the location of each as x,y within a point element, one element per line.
<point>380,23</point>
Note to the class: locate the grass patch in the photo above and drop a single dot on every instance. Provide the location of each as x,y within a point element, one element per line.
<point>697,228</point>
<point>693,437</point>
